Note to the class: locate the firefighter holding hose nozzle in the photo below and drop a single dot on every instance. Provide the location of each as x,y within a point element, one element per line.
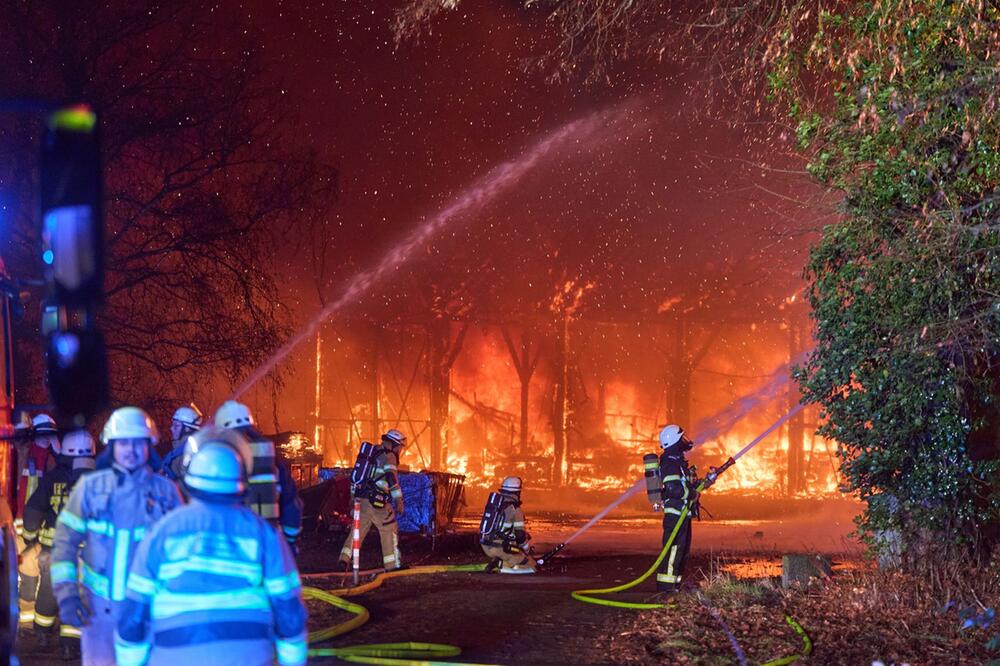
<point>670,485</point>
<point>502,533</point>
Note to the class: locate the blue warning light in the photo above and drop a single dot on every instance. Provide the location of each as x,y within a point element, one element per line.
<point>48,257</point>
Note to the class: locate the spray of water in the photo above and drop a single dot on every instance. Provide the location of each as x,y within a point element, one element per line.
<point>711,428</point>
<point>718,424</point>
<point>481,192</point>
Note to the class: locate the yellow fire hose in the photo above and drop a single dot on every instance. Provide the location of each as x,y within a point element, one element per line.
<point>393,654</point>
<point>807,645</point>
<point>584,595</point>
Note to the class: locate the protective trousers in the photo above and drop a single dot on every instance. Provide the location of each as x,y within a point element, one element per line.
<point>384,520</point>
<point>518,559</point>
<point>27,586</point>
<point>46,606</point>
<point>668,576</point>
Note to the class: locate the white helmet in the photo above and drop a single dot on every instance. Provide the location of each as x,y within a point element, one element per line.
<point>670,436</point>
<point>216,435</point>
<point>233,414</point>
<point>216,469</point>
<point>44,425</point>
<point>78,444</point>
<point>512,484</point>
<point>396,437</point>
<point>189,416</point>
<point>130,423</point>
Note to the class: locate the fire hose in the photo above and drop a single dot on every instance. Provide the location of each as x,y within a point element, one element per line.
<point>408,654</point>
<point>391,654</point>
<point>586,596</point>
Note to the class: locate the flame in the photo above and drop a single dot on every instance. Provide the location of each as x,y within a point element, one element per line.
<point>611,426</point>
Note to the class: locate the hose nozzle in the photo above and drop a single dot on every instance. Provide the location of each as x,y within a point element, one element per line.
<point>541,560</point>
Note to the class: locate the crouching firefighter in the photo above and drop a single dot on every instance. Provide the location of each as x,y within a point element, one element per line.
<point>213,583</point>
<point>375,482</point>
<point>75,458</point>
<point>502,533</point>
<point>670,486</point>
<point>97,532</point>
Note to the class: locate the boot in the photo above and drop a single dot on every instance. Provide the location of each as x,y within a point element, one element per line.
<point>69,648</point>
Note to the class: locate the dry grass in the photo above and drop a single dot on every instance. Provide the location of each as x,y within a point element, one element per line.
<point>860,615</point>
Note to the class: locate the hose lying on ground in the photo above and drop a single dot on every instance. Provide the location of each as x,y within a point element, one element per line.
<point>394,654</point>
<point>807,646</point>
<point>584,595</point>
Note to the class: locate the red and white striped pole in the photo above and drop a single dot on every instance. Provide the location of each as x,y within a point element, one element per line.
<point>356,546</point>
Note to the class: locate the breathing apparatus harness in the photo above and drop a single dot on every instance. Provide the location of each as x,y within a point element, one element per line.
<point>364,476</point>
<point>491,526</point>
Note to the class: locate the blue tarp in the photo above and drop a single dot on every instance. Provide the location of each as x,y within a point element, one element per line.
<point>418,501</point>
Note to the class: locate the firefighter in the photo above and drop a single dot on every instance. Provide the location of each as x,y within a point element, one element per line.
<point>76,457</point>
<point>501,532</point>
<point>670,486</point>
<point>108,513</point>
<point>34,462</point>
<point>27,569</point>
<point>211,583</point>
<point>38,457</point>
<point>375,481</point>
<point>186,421</point>
<point>271,494</point>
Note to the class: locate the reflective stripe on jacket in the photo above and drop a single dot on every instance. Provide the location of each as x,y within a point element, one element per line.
<point>213,582</point>
<point>44,505</point>
<point>387,476</point>
<point>262,492</point>
<point>108,513</point>
<point>676,478</point>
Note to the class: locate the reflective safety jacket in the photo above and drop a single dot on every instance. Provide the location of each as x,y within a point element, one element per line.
<point>108,514</point>
<point>511,531</point>
<point>272,494</point>
<point>384,482</point>
<point>677,483</point>
<point>262,493</point>
<point>212,584</point>
<point>44,505</point>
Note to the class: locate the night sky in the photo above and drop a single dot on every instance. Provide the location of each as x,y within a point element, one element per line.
<point>409,128</point>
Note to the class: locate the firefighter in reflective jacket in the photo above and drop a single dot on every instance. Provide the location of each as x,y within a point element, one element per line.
<point>76,457</point>
<point>185,422</point>
<point>375,482</point>
<point>212,583</point>
<point>108,514</point>
<point>271,493</point>
<point>670,486</point>
<point>502,533</point>
<point>38,457</point>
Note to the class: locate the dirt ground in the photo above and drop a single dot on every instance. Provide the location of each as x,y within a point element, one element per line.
<point>499,619</point>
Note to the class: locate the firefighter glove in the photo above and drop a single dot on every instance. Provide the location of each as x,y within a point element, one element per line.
<point>73,612</point>
<point>399,508</point>
<point>657,507</point>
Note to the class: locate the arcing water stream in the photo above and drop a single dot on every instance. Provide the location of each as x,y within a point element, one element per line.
<point>481,192</point>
